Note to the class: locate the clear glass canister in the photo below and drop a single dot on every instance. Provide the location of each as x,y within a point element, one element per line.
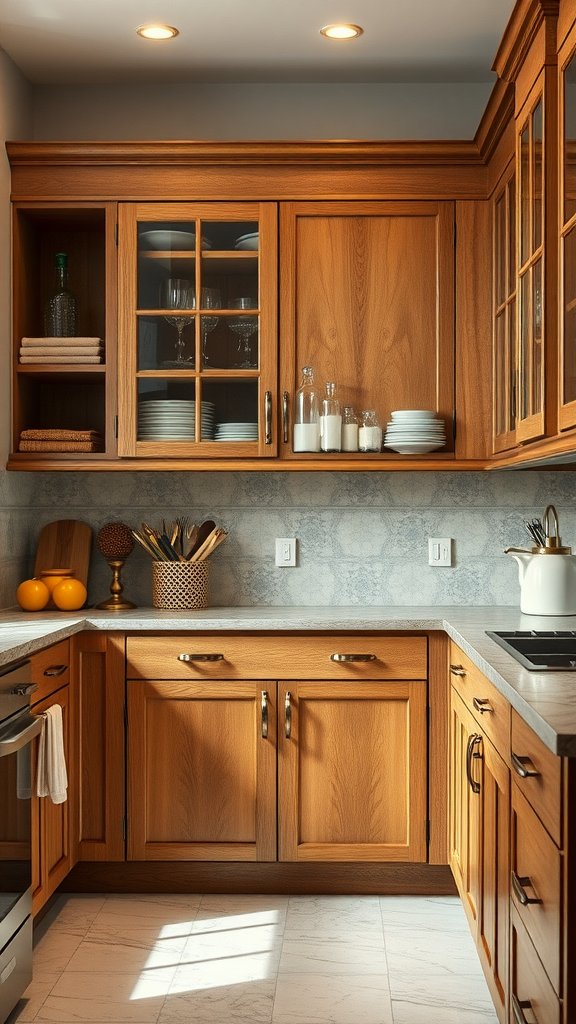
<point>307,414</point>
<point>349,430</point>
<point>370,433</point>
<point>331,422</point>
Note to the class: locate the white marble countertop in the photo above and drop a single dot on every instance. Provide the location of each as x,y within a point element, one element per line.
<point>545,700</point>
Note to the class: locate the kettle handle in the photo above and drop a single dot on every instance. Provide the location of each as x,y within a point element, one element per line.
<point>552,540</point>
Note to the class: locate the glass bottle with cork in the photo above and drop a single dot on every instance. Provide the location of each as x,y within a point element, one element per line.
<point>307,414</point>
<point>61,309</point>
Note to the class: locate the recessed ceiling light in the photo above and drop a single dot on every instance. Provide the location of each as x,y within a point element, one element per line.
<point>157,31</point>
<point>341,31</point>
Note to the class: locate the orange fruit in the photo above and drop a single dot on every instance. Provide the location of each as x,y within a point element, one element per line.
<point>53,576</point>
<point>32,595</point>
<point>69,595</point>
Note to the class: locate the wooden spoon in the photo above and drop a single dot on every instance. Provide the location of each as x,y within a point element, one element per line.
<point>204,530</point>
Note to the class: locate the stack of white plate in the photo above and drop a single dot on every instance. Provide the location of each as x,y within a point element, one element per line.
<point>236,432</point>
<point>173,420</point>
<point>415,431</point>
<point>249,241</point>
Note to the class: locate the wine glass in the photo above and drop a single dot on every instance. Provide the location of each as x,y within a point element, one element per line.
<point>178,293</point>
<point>245,326</point>
<point>210,299</point>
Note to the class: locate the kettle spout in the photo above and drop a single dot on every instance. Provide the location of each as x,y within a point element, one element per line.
<point>522,556</point>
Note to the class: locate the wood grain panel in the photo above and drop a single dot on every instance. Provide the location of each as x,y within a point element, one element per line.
<point>201,777</point>
<point>272,657</point>
<point>352,775</point>
<point>464,812</point>
<point>472,686</point>
<point>543,791</point>
<point>53,842</point>
<point>493,917</point>
<point>98,669</point>
<point>535,857</point>
<point>46,666</point>
<point>438,751</point>
<point>529,982</point>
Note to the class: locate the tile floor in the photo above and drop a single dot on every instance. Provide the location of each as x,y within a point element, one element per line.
<point>255,960</point>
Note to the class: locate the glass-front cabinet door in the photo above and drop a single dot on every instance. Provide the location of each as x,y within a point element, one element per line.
<point>567,404</point>
<point>530,300</point>
<point>504,291</point>
<point>197,340</point>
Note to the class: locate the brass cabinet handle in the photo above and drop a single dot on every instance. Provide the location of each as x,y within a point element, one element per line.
<point>523,766</point>
<point>268,417</point>
<point>352,657</point>
<point>457,670</point>
<point>518,1007</point>
<point>519,886</point>
<point>264,707</point>
<point>473,739</point>
<point>482,705</point>
<point>55,670</point>
<point>200,657</point>
<point>287,715</point>
<point>285,418</point>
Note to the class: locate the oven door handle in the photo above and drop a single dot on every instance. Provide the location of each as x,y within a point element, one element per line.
<point>13,743</point>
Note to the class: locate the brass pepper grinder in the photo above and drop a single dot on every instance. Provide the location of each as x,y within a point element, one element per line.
<point>115,542</point>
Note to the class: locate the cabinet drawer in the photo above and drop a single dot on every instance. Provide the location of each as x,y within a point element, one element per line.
<point>531,990</point>
<point>536,865</point>
<point>276,657</point>
<point>50,670</point>
<point>490,709</point>
<point>542,784</point>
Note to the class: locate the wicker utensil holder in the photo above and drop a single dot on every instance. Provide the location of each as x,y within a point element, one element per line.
<point>180,584</point>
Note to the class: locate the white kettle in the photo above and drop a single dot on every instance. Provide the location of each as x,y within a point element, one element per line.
<point>547,574</point>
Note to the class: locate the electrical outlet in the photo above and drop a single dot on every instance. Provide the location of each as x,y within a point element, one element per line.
<point>439,551</point>
<point>286,551</point>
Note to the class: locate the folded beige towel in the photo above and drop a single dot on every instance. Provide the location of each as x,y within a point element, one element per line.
<point>51,774</point>
<point>42,342</point>
<point>63,350</point>
<point>60,435</point>
<point>61,359</point>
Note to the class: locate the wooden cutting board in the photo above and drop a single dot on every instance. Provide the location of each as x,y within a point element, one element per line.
<point>65,544</point>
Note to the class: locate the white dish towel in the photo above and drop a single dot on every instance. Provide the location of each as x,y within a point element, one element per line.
<point>51,774</point>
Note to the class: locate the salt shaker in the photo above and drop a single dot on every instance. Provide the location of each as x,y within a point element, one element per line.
<point>349,430</point>
<point>330,422</point>
<point>370,433</point>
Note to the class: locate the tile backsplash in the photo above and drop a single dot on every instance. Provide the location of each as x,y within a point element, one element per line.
<point>362,537</point>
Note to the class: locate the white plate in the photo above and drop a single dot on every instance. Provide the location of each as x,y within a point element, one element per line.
<point>414,414</point>
<point>415,448</point>
<point>176,240</point>
<point>250,242</point>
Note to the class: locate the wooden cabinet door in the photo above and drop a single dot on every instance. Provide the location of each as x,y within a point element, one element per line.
<point>201,771</point>
<point>493,911</point>
<point>367,300</point>
<point>352,771</point>
<point>52,839</point>
<point>465,811</point>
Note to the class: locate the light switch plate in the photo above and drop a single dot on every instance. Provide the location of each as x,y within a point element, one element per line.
<point>286,551</point>
<point>439,551</point>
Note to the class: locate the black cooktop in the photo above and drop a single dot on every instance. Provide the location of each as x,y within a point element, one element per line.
<point>540,650</point>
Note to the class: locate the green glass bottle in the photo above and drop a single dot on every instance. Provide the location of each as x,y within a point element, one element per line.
<point>60,312</point>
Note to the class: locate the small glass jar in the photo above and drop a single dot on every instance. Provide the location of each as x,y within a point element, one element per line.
<point>370,433</point>
<point>307,414</point>
<point>331,422</point>
<point>349,430</point>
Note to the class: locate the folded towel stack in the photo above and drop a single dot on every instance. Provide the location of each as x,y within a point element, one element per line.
<point>62,350</point>
<point>61,441</point>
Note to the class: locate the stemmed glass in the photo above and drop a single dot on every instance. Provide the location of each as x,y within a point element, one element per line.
<point>210,299</point>
<point>178,293</point>
<point>245,326</point>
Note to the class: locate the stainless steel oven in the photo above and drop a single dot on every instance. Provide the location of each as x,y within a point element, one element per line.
<point>18,727</point>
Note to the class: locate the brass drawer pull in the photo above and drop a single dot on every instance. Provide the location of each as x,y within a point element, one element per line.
<point>473,739</point>
<point>457,670</point>
<point>287,715</point>
<point>482,705</point>
<point>264,707</point>
<point>200,657</point>
<point>285,418</point>
<point>518,1007</point>
<point>523,766</point>
<point>55,670</point>
<point>268,417</point>
<point>519,884</point>
<point>352,657</point>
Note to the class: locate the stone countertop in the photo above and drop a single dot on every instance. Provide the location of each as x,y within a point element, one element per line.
<point>545,700</point>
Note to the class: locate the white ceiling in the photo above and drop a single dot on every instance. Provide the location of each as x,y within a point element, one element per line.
<point>94,41</point>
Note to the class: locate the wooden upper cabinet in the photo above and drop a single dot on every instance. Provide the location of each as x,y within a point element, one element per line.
<point>505,364</point>
<point>197,339</point>
<point>367,300</point>
<point>567,368</point>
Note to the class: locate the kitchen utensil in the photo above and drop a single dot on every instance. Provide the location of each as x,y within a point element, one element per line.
<point>65,542</point>
<point>115,542</point>
<point>547,584</point>
<point>204,530</point>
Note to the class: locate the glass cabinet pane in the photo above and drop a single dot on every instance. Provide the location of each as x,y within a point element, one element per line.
<point>537,311</point>
<point>525,205</point>
<point>500,250</point>
<point>569,376</point>
<point>500,376</point>
<point>537,208</point>
<point>525,347</point>
<point>570,140</point>
<point>511,284</point>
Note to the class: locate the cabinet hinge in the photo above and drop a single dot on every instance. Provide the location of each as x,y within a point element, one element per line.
<point>116,427</point>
